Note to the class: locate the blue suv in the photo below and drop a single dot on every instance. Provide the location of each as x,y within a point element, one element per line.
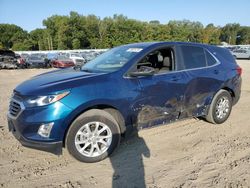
<point>135,86</point>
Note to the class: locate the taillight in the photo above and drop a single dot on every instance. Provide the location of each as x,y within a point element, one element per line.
<point>239,70</point>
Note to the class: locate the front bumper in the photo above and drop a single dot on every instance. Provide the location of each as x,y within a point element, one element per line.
<point>25,125</point>
<point>52,147</point>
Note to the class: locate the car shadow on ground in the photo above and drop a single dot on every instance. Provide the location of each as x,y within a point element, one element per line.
<point>127,163</point>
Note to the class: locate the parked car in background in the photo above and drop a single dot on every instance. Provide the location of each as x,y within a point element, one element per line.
<point>21,62</point>
<point>241,54</point>
<point>62,61</point>
<point>88,56</point>
<point>35,61</point>
<point>129,87</point>
<point>77,59</point>
<point>9,53</point>
<point>52,56</point>
<point>8,59</point>
<point>8,62</point>
<point>25,56</point>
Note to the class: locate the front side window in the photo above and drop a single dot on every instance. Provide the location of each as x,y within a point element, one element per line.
<point>193,57</point>
<point>162,61</point>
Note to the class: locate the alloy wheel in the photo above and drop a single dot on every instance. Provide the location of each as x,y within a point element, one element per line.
<point>93,139</point>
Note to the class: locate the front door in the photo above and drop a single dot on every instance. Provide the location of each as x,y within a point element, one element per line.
<point>161,99</point>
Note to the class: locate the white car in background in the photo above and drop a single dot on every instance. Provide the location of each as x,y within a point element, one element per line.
<point>76,58</point>
<point>241,54</point>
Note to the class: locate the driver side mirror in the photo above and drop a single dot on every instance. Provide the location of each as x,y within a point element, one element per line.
<point>143,71</point>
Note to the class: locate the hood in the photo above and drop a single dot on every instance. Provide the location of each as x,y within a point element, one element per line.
<point>54,81</point>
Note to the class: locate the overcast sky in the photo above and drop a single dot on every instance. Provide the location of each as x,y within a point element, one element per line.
<point>29,14</point>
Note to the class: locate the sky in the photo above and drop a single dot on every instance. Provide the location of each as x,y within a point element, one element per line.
<point>29,14</point>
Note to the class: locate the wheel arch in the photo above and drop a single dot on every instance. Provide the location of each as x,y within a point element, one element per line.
<point>230,91</point>
<point>118,117</point>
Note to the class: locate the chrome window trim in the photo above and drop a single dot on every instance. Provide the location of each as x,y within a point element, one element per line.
<point>184,70</point>
<point>177,71</point>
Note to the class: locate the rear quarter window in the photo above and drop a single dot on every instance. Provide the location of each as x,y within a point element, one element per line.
<point>222,54</point>
<point>210,59</point>
<point>193,57</point>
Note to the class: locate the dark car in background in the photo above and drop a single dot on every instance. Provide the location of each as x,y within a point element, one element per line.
<point>129,87</point>
<point>62,61</point>
<point>37,61</point>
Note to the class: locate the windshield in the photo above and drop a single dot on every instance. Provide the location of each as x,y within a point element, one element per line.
<point>111,60</point>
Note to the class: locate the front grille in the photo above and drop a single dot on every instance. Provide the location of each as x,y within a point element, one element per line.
<point>14,108</point>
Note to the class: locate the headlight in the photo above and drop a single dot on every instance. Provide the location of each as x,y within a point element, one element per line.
<point>45,100</point>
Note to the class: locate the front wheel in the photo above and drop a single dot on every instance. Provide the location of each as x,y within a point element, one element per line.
<point>220,107</point>
<point>93,136</point>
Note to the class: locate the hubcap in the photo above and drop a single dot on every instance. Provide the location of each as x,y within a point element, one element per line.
<point>222,108</point>
<point>93,139</point>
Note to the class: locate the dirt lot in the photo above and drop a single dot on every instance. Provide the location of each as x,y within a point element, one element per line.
<point>190,153</point>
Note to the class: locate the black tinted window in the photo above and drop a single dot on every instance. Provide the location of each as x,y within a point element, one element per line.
<point>210,59</point>
<point>193,57</point>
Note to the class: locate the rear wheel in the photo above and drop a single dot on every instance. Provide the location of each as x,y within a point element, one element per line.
<point>220,107</point>
<point>93,136</point>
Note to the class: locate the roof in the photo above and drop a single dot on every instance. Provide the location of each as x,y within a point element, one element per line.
<point>147,44</point>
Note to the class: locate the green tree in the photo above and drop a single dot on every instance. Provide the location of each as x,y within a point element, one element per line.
<point>75,31</point>
<point>243,36</point>
<point>11,34</point>
<point>38,39</point>
<point>211,34</point>
<point>229,33</point>
<point>76,44</point>
<point>22,46</point>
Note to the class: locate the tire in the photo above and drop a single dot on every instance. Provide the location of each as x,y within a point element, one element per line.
<point>83,141</point>
<point>118,118</point>
<point>220,107</point>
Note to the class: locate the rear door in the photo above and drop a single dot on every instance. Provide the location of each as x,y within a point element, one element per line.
<point>204,76</point>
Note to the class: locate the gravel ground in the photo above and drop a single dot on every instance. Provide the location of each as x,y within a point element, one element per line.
<point>190,153</point>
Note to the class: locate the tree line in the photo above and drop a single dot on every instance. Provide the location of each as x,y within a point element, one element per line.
<point>77,31</point>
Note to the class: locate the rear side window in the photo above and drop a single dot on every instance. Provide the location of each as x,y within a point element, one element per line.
<point>210,59</point>
<point>193,57</point>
